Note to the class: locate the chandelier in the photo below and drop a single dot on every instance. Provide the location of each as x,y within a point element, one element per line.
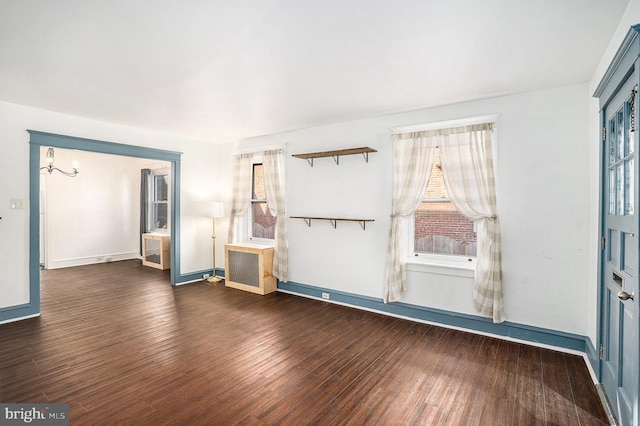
<point>49,167</point>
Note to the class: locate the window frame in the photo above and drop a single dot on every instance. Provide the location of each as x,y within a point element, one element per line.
<point>447,261</point>
<point>255,161</point>
<point>437,257</point>
<point>153,202</point>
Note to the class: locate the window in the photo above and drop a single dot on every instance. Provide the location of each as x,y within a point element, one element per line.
<point>160,200</point>
<point>438,226</point>
<point>262,223</point>
<point>621,162</point>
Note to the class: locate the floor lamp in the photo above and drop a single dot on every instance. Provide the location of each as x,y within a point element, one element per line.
<point>216,210</point>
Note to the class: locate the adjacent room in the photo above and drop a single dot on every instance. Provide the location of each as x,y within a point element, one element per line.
<point>290,212</point>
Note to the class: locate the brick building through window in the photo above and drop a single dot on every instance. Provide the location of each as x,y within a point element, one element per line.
<point>439,227</point>
<point>263,223</point>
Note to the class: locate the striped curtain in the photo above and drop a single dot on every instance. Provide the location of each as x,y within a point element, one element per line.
<point>273,163</point>
<point>241,197</point>
<point>466,157</point>
<point>467,167</point>
<point>412,161</point>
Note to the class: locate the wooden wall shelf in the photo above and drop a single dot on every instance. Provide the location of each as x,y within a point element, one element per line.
<point>333,220</point>
<point>336,154</point>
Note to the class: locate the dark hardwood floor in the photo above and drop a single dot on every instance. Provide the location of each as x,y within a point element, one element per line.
<point>121,346</point>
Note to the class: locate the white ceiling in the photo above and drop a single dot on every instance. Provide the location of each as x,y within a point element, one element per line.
<point>223,70</point>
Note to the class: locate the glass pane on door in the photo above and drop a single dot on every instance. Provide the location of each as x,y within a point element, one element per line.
<point>628,145</point>
<point>612,192</point>
<point>629,177</point>
<point>619,189</point>
<point>619,134</point>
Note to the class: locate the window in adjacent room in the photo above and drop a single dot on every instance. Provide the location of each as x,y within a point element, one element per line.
<point>160,200</point>
<point>262,223</point>
<point>438,226</point>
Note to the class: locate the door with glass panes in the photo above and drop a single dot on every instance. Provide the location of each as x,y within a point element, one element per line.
<point>619,345</point>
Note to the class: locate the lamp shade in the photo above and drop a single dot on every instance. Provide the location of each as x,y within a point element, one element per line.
<point>215,209</point>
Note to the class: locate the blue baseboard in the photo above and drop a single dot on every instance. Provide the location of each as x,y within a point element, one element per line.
<point>469,322</point>
<point>197,276</point>
<point>14,313</point>
<point>593,356</point>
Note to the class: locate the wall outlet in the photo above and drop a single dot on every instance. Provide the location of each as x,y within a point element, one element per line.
<point>205,276</point>
<point>17,204</point>
<point>325,295</point>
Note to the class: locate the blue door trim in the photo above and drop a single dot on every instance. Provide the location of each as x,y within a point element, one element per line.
<point>38,139</point>
<point>620,67</point>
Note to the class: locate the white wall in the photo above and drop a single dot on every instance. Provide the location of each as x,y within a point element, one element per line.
<point>204,176</point>
<point>95,215</point>
<point>543,200</point>
<point>630,17</point>
<point>209,179</point>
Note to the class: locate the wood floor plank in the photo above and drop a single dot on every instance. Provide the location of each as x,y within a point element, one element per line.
<point>121,346</point>
<point>558,396</point>
<point>585,396</point>
<point>499,405</point>
<point>530,408</point>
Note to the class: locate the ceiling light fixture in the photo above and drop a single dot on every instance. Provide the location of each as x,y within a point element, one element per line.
<point>49,167</point>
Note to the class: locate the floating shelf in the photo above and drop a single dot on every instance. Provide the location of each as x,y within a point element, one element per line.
<point>333,220</point>
<point>336,154</point>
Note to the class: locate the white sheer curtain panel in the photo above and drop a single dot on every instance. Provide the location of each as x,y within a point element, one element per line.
<point>273,163</point>
<point>241,197</point>
<point>466,159</point>
<point>412,161</point>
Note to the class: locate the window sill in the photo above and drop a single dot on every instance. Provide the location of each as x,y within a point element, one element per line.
<point>442,266</point>
<point>158,232</point>
<point>256,243</point>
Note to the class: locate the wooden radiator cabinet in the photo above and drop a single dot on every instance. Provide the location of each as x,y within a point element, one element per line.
<point>155,250</point>
<point>249,267</point>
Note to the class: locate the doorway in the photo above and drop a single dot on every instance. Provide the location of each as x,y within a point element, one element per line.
<point>95,216</point>
<point>38,139</point>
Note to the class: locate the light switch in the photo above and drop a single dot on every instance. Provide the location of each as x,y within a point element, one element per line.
<point>17,204</point>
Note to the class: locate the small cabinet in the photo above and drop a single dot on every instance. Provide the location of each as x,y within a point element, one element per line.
<point>249,267</point>
<point>155,250</point>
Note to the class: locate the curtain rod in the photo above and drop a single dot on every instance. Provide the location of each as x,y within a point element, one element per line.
<point>259,150</point>
<point>446,124</point>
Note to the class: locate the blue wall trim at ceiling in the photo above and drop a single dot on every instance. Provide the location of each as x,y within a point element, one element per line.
<point>92,145</point>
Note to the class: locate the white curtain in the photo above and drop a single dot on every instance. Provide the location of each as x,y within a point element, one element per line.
<point>466,159</point>
<point>273,164</point>
<point>241,197</point>
<point>412,161</point>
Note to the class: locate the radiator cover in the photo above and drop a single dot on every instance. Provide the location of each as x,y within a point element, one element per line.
<point>249,266</point>
<point>244,268</point>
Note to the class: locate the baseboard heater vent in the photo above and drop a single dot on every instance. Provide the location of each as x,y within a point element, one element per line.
<point>248,267</point>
